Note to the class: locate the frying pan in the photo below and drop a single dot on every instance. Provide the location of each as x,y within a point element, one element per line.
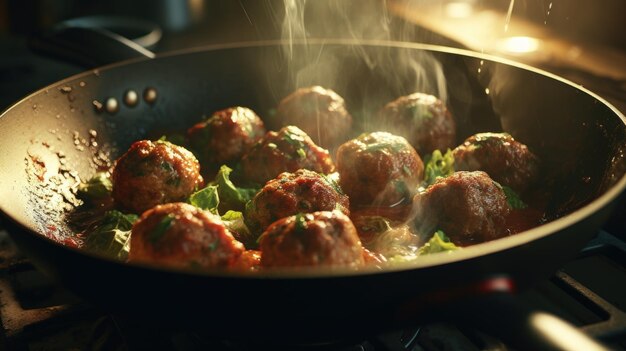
<point>60,134</point>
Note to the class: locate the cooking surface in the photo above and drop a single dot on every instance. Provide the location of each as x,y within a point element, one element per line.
<point>590,291</point>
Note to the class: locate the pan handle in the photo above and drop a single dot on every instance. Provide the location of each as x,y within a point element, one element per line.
<point>502,313</point>
<point>86,46</point>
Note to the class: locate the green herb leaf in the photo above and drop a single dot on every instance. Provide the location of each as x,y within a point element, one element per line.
<point>385,146</point>
<point>301,153</point>
<point>112,236</point>
<point>294,136</point>
<point>231,195</point>
<point>234,221</point>
<point>161,228</point>
<point>438,243</point>
<point>206,198</point>
<point>438,166</point>
<point>331,179</point>
<point>300,222</point>
<point>513,198</point>
<point>97,187</point>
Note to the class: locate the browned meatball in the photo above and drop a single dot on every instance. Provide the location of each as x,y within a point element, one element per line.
<point>312,239</point>
<point>153,173</point>
<point>506,160</point>
<point>319,112</point>
<point>287,150</point>
<point>422,119</point>
<point>379,169</point>
<point>250,260</point>
<point>181,235</point>
<point>292,193</point>
<point>468,206</point>
<point>226,136</point>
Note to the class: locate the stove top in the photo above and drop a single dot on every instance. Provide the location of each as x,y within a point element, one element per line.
<point>37,314</point>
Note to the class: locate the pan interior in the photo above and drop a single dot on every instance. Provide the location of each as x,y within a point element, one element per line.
<point>61,135</point>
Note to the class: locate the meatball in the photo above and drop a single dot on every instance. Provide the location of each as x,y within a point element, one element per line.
<point>312,239</point>
<point>181,235</point>
<point>422,119</point>
<point>379,169</point>
<point>292,193</point>
<point>250,260</point>
<point>153,173</point>
<point>226,136</point>
<point>506,160</point>
<point>468,206</point>
<point>320,112</point>
<point>287,150</point>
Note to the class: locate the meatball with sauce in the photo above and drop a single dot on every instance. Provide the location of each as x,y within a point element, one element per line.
<point>379,169</point>
<point>184,236</point>
<point>287,150</point>
<point>506,160</point>
<point>422,119</point>
<point>312,239</point>
<point>250,261</point>
<point>468,206</point>
<point>320,112</point>
<point>292,193</point>
<point>226,136</point>
<point>152,173</point>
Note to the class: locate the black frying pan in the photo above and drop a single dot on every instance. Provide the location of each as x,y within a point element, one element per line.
<point>45,147</point>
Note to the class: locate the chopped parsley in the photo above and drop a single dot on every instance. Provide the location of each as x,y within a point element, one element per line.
<point>166,166</point>
<point>300,222</point>
<point>161,228</point>
<point>331,180</point>
<point>419,111</point>
<point>301,154</point>
<point>293,136</point>
<point>212,246</point>
<point>385,146</point>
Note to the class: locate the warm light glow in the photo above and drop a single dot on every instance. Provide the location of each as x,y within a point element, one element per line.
<point>561,334</point>
<point>518,45</point>
<point>459,9</point>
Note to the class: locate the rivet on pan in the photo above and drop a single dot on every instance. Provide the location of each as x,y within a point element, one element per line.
<point>97,106</point>
<point>82,84</point>
<point>131,98</point>
<point>150,95</point>
<point>111,105</point>
<point>65,89</point>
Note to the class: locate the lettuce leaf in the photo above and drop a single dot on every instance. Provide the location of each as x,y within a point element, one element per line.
<point>96,187</point>
<point>513,198</point>
<point>233,220</point>
<point>232,196</point>
<point>437,165</point>
<point>112,236</point>
<point>438,243</point>
<point>206,199</point>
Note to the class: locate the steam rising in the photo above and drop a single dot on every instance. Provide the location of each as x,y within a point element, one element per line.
<point>367,77</point>
<point>406,71</point>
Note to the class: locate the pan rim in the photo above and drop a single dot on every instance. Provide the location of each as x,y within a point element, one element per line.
<point>467,253</point>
